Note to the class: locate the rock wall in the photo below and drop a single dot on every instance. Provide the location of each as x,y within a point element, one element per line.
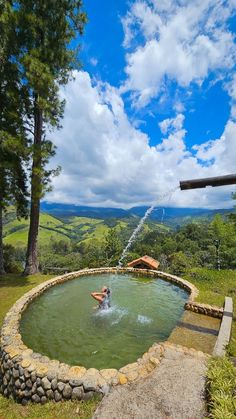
<point>29,376</point>
<point>206,309</point>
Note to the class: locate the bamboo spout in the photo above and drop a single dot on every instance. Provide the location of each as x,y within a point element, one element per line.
<point>211,181</point>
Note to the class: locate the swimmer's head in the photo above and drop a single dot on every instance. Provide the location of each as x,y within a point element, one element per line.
<point>106,289</point>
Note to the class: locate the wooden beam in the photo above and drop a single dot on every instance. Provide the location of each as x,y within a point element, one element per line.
<point>211,181</point>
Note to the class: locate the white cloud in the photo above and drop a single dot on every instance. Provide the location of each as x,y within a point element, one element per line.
<point>106,161</point>
<point>172,124</point>
<point>222,151</point>
<point>183,41</point>
<point>231,88</point>
<point>93,61</point>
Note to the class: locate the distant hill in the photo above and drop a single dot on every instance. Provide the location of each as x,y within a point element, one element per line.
<point>65,210</point>
<point>169,215</point>
<point>87,224</point>
<point>70,227</point>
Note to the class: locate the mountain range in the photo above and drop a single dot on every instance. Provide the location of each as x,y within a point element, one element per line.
<point>160,213</point>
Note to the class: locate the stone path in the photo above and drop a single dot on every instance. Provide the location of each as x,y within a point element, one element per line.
<point>174,390</point>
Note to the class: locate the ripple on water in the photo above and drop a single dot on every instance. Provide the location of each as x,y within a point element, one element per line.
<point>144,319</point>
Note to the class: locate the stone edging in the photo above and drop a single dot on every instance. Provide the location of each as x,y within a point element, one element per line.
<point>206,309</point>
<point>29,376</point>
<point>225,328</point>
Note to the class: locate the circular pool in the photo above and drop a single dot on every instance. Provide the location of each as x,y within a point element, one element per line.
<point>63,323</point>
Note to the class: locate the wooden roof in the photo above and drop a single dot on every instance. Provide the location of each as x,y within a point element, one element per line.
<point>145,260</point>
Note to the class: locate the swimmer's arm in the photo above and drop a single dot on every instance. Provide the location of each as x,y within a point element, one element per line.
<point>98,294</point>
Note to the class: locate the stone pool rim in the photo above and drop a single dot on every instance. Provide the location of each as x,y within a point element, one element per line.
<point>29,376</point>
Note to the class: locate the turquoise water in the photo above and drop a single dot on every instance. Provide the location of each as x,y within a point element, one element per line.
<point>64,324</point>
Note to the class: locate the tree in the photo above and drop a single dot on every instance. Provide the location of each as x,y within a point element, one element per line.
<point>113,246</point>
<point>12,183</point>
<point>233,215</point>
<point>44,30</point>
<point>181,263</point>
<point>13,141</point>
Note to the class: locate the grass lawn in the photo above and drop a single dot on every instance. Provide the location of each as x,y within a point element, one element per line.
<point>213,287</point>
<point>13,287</point>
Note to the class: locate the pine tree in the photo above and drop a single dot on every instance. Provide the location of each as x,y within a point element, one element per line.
<point>45,30</point>
<point>13,141</point>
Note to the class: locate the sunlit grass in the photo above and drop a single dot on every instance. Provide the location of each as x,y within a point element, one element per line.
<point>62,410</point>
<point>221,382</point>
<point>213,287</point>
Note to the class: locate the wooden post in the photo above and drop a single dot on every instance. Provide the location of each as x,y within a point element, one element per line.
<point>212,181</point>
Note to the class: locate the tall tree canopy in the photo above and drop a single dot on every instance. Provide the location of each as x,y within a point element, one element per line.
<point>13,140</point>
<point>45,57</point>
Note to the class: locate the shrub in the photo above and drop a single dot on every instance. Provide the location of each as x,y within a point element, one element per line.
<point>13,259</point>
<point>221,389</point>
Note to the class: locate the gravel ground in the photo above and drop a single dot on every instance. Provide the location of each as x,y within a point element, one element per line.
<point>174,390</point>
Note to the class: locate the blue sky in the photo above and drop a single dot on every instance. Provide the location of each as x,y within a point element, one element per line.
<point>154,103</point>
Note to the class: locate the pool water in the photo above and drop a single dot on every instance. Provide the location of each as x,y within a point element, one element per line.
<point>65,324</point>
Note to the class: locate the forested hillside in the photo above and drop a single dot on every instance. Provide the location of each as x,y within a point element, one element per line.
<point>73,242</point>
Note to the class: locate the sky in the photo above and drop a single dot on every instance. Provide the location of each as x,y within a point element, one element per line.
<point>154,103</point>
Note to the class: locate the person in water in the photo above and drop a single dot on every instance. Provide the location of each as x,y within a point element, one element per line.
<point>102,297</point>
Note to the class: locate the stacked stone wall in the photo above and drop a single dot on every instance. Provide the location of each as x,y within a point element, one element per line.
<point>206,309</point>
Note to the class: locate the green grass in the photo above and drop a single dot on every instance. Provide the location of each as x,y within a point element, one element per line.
<point>13,287</point>
<point>213,287</point>
<point>83,220</point>
<point>62,410</point>
<point>80,228</point>
<point>99,232</point>
<point>221,379</point>
<point>19,238</point>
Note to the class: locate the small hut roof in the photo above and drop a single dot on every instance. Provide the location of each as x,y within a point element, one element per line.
<point>146,260</point>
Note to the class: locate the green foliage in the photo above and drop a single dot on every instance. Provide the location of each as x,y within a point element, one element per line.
<point>37,58</point>
<point>13,179</point>
<point>13,259</point>
<point>221,379</point>
<point>112,247</point>
<point>181,263</point>
<point>42,32</point>
<point>61,247</point>
<point>232,217</point>
<point>54,263</point>
<point>13,141</point>
<point>192,245</point>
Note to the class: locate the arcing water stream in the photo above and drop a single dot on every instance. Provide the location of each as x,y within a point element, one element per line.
<point>140,225</point>
<point>134,234</point>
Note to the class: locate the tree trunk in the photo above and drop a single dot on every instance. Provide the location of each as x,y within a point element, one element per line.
<point>31,266</point>
<point>2,271</point>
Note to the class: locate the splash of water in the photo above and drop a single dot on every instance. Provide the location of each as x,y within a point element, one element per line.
<point>143,319</point>
<point>140,225</point>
